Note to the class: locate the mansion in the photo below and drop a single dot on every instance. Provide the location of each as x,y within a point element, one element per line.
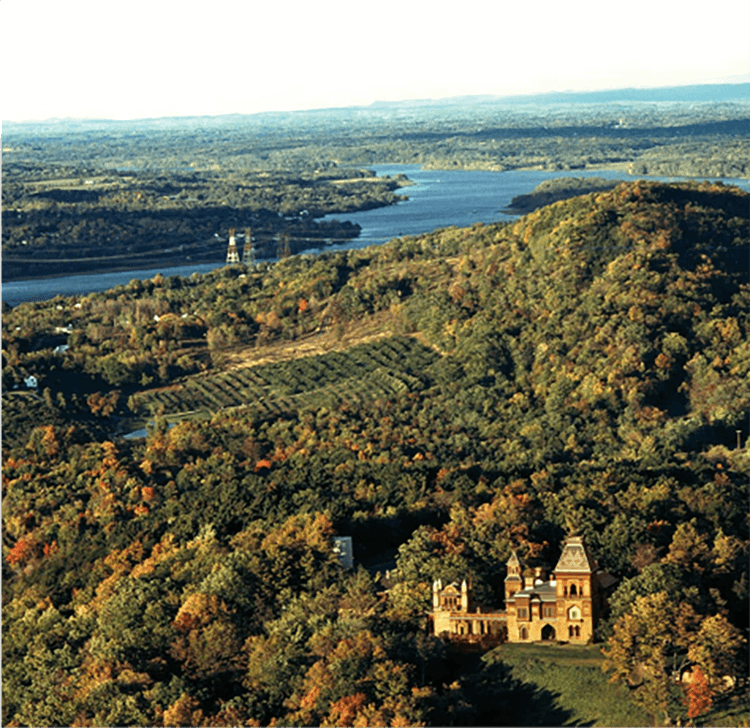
<point>566,607</point>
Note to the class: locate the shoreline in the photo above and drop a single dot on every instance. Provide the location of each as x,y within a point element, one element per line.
<point>104,271</point>
<point>147,270</point>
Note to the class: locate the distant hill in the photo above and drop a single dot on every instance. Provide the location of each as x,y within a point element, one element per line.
<point>697,93</point>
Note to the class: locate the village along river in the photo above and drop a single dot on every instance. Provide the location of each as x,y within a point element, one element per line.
<point>438,199</point>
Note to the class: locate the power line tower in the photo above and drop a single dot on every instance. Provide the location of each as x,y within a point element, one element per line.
<point>232,254</point>
<point>282,248</point>
<point>248,252</point>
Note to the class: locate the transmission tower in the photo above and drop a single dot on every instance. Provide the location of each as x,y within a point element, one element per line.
<point>248,252</point>
<point>282,248</point>
<point>232,254</point>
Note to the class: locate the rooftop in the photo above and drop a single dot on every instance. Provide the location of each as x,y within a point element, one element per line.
<point>575,557</point>
<point>545,591</point>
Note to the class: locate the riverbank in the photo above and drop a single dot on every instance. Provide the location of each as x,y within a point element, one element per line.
<point>438,199</point>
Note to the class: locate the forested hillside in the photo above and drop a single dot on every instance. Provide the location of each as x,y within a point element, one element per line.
<point>447,397</point>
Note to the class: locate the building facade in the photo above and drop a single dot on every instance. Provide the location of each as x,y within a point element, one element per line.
<point>565,608</point>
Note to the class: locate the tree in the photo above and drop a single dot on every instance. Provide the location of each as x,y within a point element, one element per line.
<point>715,649</point>
<point>649,649</point>
<point>207,644</point>
<point>698,695</point>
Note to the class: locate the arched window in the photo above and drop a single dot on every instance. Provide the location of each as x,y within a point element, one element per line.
<point>574,614</point>
<point>570,630</point>
<point>565,591</point>
<point>577,631</point>
<point>573,591</point>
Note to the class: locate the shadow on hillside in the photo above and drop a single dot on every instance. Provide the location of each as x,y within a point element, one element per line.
<point>64,195</point>
<point>501,700</point>
<point>493,697</point>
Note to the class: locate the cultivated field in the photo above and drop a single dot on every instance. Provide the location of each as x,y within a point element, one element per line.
<point>381,368</point>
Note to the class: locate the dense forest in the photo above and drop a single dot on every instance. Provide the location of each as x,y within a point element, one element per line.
<point>442,399</point>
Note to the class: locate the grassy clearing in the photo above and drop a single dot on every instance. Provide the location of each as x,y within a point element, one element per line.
<point>569,685</point>
<point>338,338</point>
<point>567,682</point>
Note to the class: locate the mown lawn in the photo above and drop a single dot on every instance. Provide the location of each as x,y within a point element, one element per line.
<point>565,685</point>
<point>567,682</point>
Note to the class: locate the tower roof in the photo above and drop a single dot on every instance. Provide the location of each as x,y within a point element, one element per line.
<point>576,557</point>
<point>513,560</point>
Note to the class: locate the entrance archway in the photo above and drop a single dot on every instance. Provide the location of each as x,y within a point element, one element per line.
<point>548,632</point>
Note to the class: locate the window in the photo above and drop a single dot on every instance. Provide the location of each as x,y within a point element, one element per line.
<point>523,634</point>
<point>522,612</point>
<point>573,590</point>
<point>574,613</point>
<point>548,611</point>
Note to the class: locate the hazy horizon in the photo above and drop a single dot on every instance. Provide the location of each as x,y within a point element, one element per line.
<point>730,81</point>
<point>84,59</point>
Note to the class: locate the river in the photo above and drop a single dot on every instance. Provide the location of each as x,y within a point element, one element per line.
<point>438,199</point>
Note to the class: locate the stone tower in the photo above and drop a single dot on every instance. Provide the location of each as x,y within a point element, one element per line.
<point>577,592</point>
<point>437,587</point>
<point>464,596</point>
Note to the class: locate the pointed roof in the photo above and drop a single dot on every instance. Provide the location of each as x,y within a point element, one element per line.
<point>514,566</point>
<point>575,557</point>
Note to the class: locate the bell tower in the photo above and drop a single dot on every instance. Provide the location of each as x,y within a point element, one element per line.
<point>514,578</point>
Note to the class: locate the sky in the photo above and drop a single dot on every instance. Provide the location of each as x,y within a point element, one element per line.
<point>143,59</point>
